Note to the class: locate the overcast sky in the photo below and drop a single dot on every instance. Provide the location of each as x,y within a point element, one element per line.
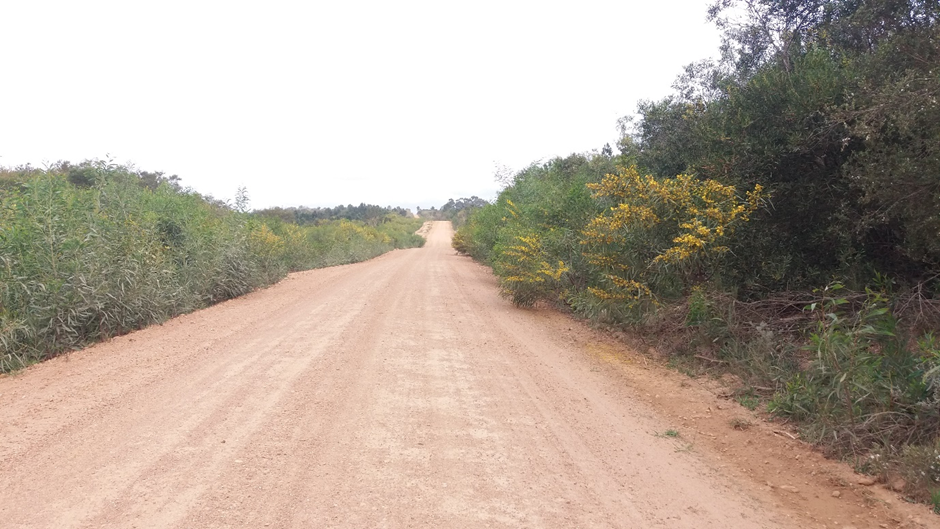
<point>331,102</point>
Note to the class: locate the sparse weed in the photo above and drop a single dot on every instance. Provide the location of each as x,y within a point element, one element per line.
<point>749,401</point>
<point>685,365</point>
<point>918,466</point>
<point>699,308</point>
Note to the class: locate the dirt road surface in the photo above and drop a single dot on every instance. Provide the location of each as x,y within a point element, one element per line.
<point>400,392</point>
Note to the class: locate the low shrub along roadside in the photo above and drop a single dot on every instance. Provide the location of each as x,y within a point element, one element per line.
<point>95,250</point>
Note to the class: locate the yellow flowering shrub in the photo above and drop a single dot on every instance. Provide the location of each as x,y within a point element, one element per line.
<point>526,272</point>
<point>657,227</point>
<point>265,244</point>
<point>527,262</point>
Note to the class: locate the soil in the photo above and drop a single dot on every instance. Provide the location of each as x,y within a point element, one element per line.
<point>400,392</point>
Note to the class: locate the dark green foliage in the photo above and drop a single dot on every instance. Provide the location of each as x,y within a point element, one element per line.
<point>833,108</point>
<point>774,131</point>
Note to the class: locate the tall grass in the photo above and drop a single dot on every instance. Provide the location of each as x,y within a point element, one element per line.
<point>92,251</point>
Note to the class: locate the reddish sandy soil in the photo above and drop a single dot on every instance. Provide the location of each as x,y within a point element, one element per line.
<point>400,392</point>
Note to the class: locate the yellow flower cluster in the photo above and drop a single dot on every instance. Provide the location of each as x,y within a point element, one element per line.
<point>293,235</point>
<point>525,264</point>
<point>671,221</point>
<point>265,242</point>
<point>513,210</point>
<point>622,290</point>
<point>348,231</point>
<point>609,229</point>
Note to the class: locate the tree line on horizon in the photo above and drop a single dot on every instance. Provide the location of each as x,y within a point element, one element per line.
<point>456,211</point>
<point>368,213</point>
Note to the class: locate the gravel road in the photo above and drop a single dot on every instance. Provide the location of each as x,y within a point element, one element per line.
<point>399,392</point>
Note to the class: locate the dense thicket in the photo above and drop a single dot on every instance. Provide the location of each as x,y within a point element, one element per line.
<point>780,211</point>
<point>833,107</point>
<point>94,250</point>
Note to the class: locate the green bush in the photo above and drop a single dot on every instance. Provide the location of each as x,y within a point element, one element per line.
<point>531,235</point>
<point>867,385</point>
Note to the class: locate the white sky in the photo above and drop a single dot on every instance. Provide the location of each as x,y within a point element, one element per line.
<point>324,103</point>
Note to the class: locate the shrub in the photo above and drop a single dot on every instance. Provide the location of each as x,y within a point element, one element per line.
<point>658,236</point>
<point>525,274</point>
<point>866,384</point>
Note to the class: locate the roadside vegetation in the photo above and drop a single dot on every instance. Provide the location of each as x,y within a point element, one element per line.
<point>777,217</point>
<point>94,250</point>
